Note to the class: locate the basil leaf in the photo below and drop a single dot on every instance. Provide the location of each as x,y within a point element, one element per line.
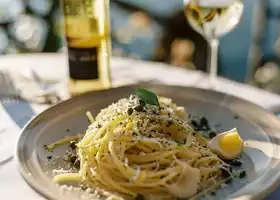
<point>147,96</point>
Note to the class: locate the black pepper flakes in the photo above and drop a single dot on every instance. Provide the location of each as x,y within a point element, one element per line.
<point>49,157</point>
<point>242,174</point>
<point>204,125</point>
<point>46,147</point>
<point>169,123</point>
<point>73,145</point>
<point>203,121</point>
<point>139,197</point>
<point>212,134</point>
<point>73,158</point>
<point>194,124</point>
<point>226,171</point>
<point>218,125</point>
<point>213,193</point>
<point>228,181</point>
<point>181,143</point>
<point>77,163</point>
<point>83,187</point>
<point>67,130</point>
<point>236,163</point>
<point>138,108</point>
<point>99,125</point>
<point>129,111</point>
<point>236,117</point>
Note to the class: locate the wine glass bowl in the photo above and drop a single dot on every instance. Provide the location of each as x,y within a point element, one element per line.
<point>213,19</point>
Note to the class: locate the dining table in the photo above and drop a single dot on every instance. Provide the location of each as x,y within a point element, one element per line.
<point>53,68</point>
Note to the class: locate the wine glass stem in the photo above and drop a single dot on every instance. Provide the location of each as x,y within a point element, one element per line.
<point>213,68</point>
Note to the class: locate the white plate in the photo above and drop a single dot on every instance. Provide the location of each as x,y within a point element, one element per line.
<point>258,127</point>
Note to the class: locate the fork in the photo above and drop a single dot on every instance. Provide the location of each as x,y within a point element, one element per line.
<point>48,95</point>
<point>10,93</point>
<point>14,104</point>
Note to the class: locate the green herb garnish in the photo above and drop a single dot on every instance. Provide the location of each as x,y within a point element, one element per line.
<point>147,96</point>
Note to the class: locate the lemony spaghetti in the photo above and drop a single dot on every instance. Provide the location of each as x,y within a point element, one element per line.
<point>145,145</point>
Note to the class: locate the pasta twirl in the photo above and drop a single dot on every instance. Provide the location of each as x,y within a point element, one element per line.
<point>134,148</point>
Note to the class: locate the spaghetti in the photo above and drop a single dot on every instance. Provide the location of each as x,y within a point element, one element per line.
<point>134,148</point>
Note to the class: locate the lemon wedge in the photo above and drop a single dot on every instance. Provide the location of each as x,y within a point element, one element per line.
<point>227,145</point>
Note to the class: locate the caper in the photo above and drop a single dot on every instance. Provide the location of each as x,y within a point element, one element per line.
<point>138,108</point>
<point>129,111</point>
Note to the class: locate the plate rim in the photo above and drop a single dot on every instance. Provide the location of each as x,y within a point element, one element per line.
<point>260,195</point>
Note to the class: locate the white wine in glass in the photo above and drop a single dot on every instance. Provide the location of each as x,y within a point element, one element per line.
<point>213,19</point>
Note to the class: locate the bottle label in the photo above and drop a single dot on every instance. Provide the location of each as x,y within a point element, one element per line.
<point>83,63</point>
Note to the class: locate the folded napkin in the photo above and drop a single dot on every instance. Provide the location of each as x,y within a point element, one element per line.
<point>29,86</point>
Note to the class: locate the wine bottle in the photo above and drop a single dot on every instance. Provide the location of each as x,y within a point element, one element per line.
<point>87,30</point>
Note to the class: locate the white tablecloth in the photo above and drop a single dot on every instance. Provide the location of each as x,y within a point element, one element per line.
<point>124,71</point>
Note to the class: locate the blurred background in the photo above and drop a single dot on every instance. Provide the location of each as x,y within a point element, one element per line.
<point>156,30</point>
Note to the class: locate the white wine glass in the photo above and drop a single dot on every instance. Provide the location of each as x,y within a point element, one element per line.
<point>213,19</point>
